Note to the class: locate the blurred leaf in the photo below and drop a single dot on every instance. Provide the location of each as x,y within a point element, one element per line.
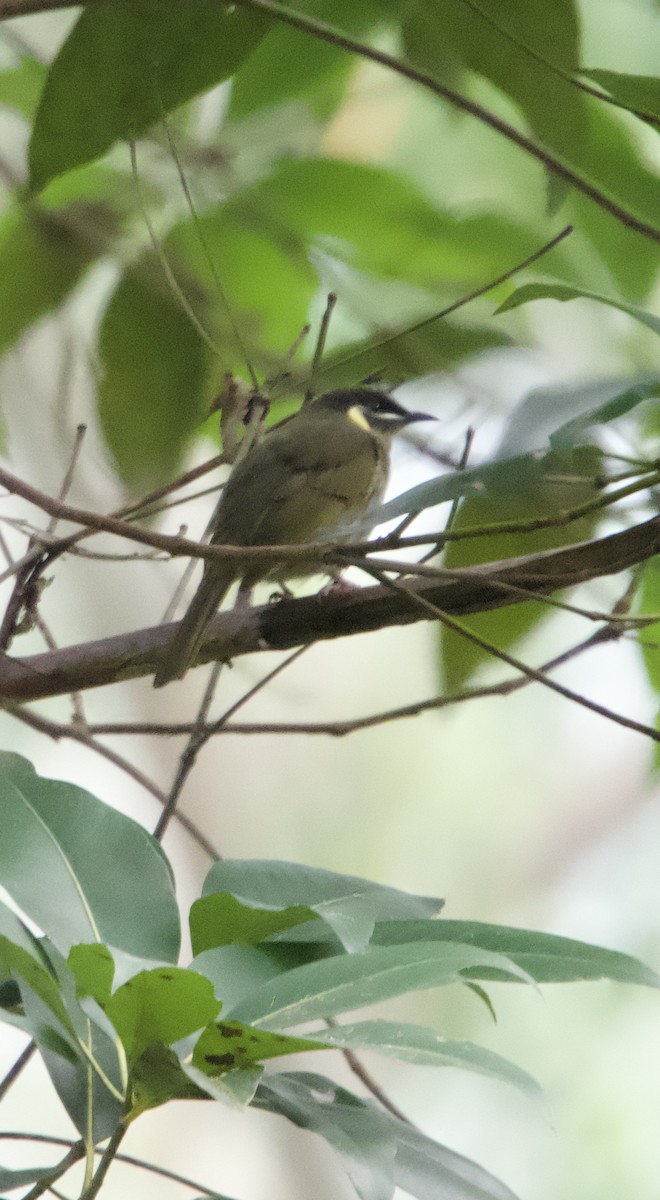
<point>379,1150</point>
<point>381,223</point>
<point>20,88</point>
<point>610,410</point>
<point>42,258</point>
<point>634,91</point>
<point>161,1005</point>
<point>345,982</point>
<point>648,602</point>
<point>423,1047</point>
<point>12,1179</point>
<point>492,39</point>
<point>562,414</point>
<point>409,354</point>
<point>151,395</point>
<point>349,905</point>
<point>540,487</point>
<point>289,63</point>
<point>139,61</point>
<point>93,969</point>
<point>58,840</point>
<point>228,1045</point>
<point>219,919</point>
<point>546,957</point>
<point>562,291</point>
<point>266,279</point>
<point>17,963</point>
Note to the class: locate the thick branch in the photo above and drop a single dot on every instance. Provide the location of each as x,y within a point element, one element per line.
<point>292,623</point>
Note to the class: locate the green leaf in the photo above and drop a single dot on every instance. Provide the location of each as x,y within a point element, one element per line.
<point>408,354</point>
<point>344,982</point>
<point>546,957</point>
<point>139,61</point>
<point>423,1047</point>
<point>610,410</point>
<point>154,364</point>
<point>228,1045</point>
<point>648,598</point>
<point>219,919</point>
<point>633,91</point>
<point>21,87</point>
<point>17,963</point>
<point>379,1151</point>
<point>89,1085</point>
<point>111,879</point>
<point>157,1077</point>
<point>93,969</point>
<point>42,258</point>
<point>379,222</point>
<point>541,487</point>
<point>12,1179</point>
<point>349,1125</point>
<point>563,291</point>
<point>564,413</point>
<point>236,971</point>
<point>495,41</point>
<point>349,905</point>
<point>161,1005</point>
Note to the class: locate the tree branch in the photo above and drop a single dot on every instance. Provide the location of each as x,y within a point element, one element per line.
<point>291,623</point>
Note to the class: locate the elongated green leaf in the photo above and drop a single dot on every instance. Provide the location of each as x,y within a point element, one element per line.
<point>16,962</point>
<point>110,877</point>
<point>41,260</point>
<point>219,919</point>
<point>514,46</point>
<point>379,1150</point>
<point>423,1047</point>
<point>289,63</point>
<point>563,291</point>
<point>162,1005</point>
<point>139,60</point>
<point>154,362</point>
<point>563,413</point>
<point>12,1179</point>
<point>227,1045</point>
<point>88,1080</point>
<point>349,905</point>
<point>350,1126</point>
<point>610,410</point>
<point>345,982</point>
<point>547,957</point>
<point>634,91</point>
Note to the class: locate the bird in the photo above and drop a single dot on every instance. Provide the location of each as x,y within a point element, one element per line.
<point>307,480</point>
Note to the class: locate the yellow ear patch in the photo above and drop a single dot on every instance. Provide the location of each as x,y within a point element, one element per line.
<point>356,415</point>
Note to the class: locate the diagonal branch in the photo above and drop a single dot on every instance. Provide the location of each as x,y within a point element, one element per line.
<point>292,623</point>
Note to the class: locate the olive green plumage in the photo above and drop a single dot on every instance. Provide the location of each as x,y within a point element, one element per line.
<point>315,472</point>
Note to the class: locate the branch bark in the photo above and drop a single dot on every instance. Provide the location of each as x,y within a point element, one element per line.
<point>292,623</point>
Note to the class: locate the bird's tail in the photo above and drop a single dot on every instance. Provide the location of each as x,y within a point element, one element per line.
<point>182,650</point>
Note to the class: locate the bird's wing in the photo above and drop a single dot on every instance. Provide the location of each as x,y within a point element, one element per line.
<point>302,485</point>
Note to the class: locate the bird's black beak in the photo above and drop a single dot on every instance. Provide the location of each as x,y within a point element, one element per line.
<point>419,416</point>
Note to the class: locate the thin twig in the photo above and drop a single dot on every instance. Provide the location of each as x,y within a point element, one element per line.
<point>74,1155</point>
<point>189,754</point>
<point>129,1159</point>
<point>531,672</point>
<point>15,1070</point>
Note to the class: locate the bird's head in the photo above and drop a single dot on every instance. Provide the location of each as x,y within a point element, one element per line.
<point>370,409</point>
